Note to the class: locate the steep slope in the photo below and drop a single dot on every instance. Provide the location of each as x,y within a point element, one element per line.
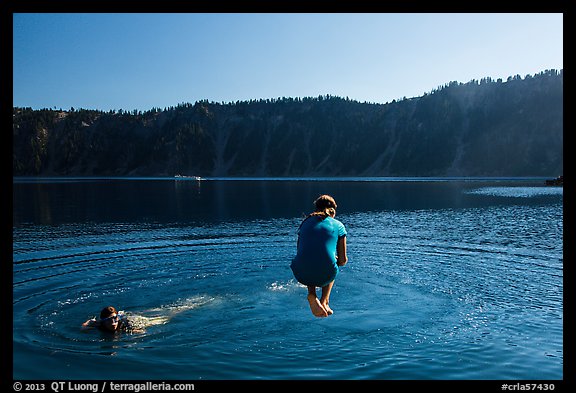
<point>481,128</point>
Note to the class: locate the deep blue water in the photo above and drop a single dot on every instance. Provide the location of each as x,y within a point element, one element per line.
<point>448,279</point>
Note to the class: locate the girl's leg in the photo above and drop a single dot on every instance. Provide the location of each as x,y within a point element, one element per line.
<point>317,308</point>
<point>325,299</point>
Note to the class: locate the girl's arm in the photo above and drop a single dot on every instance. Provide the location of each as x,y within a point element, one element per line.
<point>90,323</point>
<point>341,250</point>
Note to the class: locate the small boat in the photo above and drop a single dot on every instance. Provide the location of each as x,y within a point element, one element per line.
<point>188,177</point>
<point>559,181</point>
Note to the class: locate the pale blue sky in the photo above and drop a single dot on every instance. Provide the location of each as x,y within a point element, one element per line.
<point>140,61</point>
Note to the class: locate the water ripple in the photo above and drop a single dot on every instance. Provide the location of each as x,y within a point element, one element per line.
<point>471,293</point>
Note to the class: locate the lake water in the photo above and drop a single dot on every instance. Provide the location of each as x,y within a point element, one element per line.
<point>451,279</point>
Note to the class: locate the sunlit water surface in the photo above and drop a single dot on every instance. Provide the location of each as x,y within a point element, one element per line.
<point>446,280</point>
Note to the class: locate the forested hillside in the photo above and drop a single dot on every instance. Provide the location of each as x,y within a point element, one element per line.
<point>480,128</point>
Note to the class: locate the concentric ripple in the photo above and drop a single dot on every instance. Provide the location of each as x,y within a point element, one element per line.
<point>472,292</point>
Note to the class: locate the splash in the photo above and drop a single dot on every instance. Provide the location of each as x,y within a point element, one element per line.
<point>278,286</point>
<point>186,304</point>
<point>163,314</point>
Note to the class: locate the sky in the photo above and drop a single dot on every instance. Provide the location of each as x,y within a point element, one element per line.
<point>145,61</point>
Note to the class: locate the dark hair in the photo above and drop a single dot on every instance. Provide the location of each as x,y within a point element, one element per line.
<point>324,202</point>
<point>325,206</point>
<point>107,311</point>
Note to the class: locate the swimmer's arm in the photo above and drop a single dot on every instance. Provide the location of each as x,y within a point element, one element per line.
<point>342,257</point>
<point>90,324</point>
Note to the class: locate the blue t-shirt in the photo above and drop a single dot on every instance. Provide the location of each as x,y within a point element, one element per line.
<point>315,261</point>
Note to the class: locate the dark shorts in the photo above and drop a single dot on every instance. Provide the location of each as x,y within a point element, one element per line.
<point>314,278</point>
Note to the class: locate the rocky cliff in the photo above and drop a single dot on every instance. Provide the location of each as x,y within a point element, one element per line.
<point>479,128</point>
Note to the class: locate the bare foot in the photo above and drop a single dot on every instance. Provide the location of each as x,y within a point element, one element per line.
<point>327,308</point>
<point>316,306</point>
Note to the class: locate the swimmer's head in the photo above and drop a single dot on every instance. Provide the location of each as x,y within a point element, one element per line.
<point>107,311</point>
<point>109,319</point>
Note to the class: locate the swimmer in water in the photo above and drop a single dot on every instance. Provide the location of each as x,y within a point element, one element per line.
<point>112,321</point>
<point>321,251</point>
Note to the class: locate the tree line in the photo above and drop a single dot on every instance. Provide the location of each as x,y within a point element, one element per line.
<point>482,127</point>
